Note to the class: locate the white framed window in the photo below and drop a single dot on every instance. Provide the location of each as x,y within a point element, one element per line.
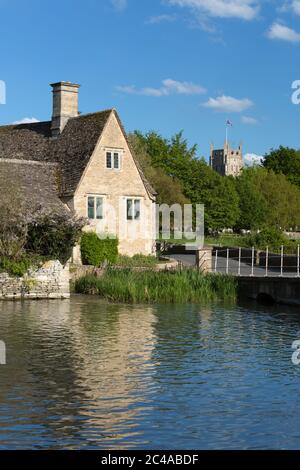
<point>95,207</point>
<point>113,159</point>
<point>133,209</point>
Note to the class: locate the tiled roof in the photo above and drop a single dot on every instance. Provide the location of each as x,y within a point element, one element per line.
<point>35,183</point>
<point>72,150</point>
<point>75,146</point>
<point>26,141</point>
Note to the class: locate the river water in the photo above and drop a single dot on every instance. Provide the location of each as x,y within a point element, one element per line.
<point>83,374</point>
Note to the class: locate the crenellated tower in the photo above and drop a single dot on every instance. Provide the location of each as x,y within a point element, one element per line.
<point>227,161</point>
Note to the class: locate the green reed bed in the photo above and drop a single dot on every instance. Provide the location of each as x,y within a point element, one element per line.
<point>128,286</point>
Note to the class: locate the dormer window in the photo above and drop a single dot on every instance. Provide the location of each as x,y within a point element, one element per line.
<point>113,160</point>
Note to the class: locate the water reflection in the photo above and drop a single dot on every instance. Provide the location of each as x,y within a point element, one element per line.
<point>85,374</point>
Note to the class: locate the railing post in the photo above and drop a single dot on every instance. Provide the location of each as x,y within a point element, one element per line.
<point>240,257</point>
<point>267,260</point>
<point>252,264</point>
<point>298,261</point>
<point>227,262</point>
<point>281,260</point>
<point>216,262</point>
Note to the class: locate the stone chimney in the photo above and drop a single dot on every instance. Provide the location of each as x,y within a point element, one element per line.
<point>65,105</point>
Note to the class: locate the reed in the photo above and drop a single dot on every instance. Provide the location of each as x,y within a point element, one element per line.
<point>188,286</point>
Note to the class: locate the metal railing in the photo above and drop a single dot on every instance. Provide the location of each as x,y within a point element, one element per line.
<point>252,262</point>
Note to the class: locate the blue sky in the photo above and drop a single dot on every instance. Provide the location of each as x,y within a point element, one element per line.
<point>166,65</point>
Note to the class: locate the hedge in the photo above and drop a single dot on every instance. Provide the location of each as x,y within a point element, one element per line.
<point>96,251</point>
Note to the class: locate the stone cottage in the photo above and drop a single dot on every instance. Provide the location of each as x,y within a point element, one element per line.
<point>82,164</point>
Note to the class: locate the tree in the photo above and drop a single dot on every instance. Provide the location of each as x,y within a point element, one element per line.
<point>286,161</point>
<point>278,204</point>
<point>169,189</point>
<point>251,202</point>
<point>54,235</point>
<point>192,178</point>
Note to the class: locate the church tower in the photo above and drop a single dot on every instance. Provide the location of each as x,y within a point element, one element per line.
<point>227,161</point>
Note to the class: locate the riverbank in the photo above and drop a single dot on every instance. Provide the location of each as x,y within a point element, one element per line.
<point>188,286</point>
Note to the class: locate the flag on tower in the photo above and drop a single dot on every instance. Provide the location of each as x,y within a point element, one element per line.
<point>229,123</point>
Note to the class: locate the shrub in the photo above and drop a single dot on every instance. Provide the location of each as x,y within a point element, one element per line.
<point>96,251</point>
<point>269,236</point>
<point>15,268</point>
<point>54,236</point>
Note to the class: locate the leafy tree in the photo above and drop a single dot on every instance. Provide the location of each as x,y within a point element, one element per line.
<point>195,180</point>
<point>280,203</point>
<point>252,203</point>
<point>284,160</point>
<point>169,188</point>
<point>54,235</point>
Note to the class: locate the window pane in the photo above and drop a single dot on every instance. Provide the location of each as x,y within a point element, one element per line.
<point>129,209</point>
<point>91,207</point>
<point>137,209</point>
<point>108,160</point>
<point>99,208</point>
<point>116,161</point>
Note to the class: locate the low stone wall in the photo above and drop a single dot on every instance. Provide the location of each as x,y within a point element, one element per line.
<point>77,271</point>
<point>51,281</point>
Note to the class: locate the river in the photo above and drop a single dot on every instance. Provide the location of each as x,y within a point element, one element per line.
<point>84,374</point>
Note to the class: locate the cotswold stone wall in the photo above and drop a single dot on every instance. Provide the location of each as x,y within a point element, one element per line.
<point>51,281</point>
<point>114,186</point>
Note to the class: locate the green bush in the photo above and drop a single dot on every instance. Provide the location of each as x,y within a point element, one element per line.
<point>15,268</point>
<point>96,251</point>
<point>268,236</point>
<point>54,236</point>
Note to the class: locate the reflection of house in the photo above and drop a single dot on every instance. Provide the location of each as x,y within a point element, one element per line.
<point>227,161</point>
<point>89,373</point>
<point>80,163</point>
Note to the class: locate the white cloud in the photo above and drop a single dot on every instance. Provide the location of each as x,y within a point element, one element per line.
<point>293,6</point>
<point>243,9</point>
<point>119,5</point>
<point>228,104</point>
<point>26,120</point>
<point>253,159</point>
<point>283,33</point>
<point>161,19</point>
<point>296,7</point>
<point>169,87</point>
<point>249,120</point>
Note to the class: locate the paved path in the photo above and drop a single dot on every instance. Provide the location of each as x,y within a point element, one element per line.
<point>190,260</point>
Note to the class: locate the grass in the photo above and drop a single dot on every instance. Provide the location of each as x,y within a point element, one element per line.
<point>188,286</point>
<point>137,261</point>
<point>231,240</point>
